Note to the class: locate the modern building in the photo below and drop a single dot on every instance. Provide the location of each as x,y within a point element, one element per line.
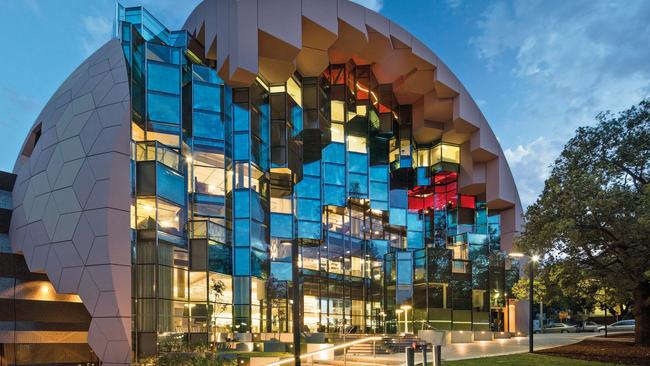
<point>271,158</point>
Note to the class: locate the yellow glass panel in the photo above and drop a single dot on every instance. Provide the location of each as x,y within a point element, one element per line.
<point>293,89</point>
<point>436,154</point>
<point>362,109</point>
<point>357,144</point>
<point>338,111</point>
<point>338,134</point>
<point>451,153</point>
<point>405,147</point>
<point>137,133</point>
<point>278,89</point>
<point>281,205</point>
<point>423,157</point>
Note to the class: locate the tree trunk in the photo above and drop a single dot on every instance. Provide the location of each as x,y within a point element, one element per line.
<point>642,313</point>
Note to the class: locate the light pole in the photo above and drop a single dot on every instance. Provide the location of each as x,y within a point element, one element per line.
<point>406,309</point>
<point>398,312</point>
<point>531,269</point>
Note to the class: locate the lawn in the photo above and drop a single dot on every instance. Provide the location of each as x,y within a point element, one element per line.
<point>523,360</point>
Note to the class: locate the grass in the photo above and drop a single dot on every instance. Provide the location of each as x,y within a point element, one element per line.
<point>524,359</point>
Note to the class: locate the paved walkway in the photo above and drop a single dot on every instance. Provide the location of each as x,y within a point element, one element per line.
<point>498,347</point>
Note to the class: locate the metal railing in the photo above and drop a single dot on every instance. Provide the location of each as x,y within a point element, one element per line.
<point>343,346</point>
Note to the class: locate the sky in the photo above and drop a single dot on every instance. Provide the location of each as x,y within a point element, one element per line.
<point>538,69</point>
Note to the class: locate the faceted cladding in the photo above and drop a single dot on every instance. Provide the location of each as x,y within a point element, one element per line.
<point>70,201</point>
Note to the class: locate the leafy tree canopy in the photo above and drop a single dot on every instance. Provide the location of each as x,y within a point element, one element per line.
<point>592,219</point>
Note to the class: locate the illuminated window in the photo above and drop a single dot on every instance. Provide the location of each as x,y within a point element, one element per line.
<point>338,111</point>
<point>357,144</point>
<point>338,134</point>
<point>423,157</point>
<point>405,147</point>
<point>209,175</point>
<point>293,89</point>
<point>281,205</point>
<point>451,153</point>
<point>436,154</point>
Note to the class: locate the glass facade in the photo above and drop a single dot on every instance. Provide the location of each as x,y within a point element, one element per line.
<point>234,188</point>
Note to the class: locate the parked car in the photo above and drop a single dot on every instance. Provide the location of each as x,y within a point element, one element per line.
<point>560,328</point>
<point>619,326</point>
<point>588,326</point>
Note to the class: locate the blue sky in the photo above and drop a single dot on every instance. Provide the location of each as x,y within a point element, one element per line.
<point>538,69</point>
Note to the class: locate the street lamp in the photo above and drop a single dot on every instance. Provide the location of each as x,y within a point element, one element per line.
<point>531,287</point>
<point>398,312</point>
<point>406,309</point>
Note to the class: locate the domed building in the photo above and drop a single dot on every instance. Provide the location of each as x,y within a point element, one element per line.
<point>273,164</point>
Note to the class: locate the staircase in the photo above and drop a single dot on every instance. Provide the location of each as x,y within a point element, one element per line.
<point>397,344</point>
<point>355,361</point>
<point>365,349</point>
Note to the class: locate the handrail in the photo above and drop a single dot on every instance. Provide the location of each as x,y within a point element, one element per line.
<point>333,348</point>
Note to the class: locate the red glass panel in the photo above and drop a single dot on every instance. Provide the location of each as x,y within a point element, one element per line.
<point>467,201</point>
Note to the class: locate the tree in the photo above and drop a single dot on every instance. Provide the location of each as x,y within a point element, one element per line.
<point>520,290</point>
<point>594,212</point>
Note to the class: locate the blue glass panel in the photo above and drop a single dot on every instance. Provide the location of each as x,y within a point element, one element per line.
<point>312,168</point>
<point>358,184</point>
<point>258,236</point>
<point>379,173</point>
<point>397,216</point>
<point>170,185</point>
<point>334,195</point>
<point>309,187</point>
<point>257,211</point>
<point>207,125</point>
<point>404,268</point>
<point>242,203</point>
<point>399,198</point>
<point>163,77</point>
<point>378,191</point>
<point>309,230</point>
<point>414,222</point>
<point>259,260</point>
<point>207,97</point>
<point>414,239</point>
<point>242,262</point>
<point>163,108</point>
<point>242,147</point>
<point>219,258</point>
<point>241,118</point>
<point>281,271</point>
<point>334,153</point>
<point>379,205</point>
<point>241,232</point>
<point>296,119</point>
<point>358,163</point>
<point>334,174</point>
<point>378,248</point>
<point>206,74</point>
<point>281,225</point>
<point>309,210</point>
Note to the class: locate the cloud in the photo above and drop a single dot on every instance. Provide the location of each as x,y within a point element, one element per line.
<point>375,5</point>
<point>531,165</point>
<point>453,4</point>
<point>96,31</point>
<point>566,61</point>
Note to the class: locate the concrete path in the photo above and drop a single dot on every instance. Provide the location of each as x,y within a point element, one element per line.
<point>498,347</point>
